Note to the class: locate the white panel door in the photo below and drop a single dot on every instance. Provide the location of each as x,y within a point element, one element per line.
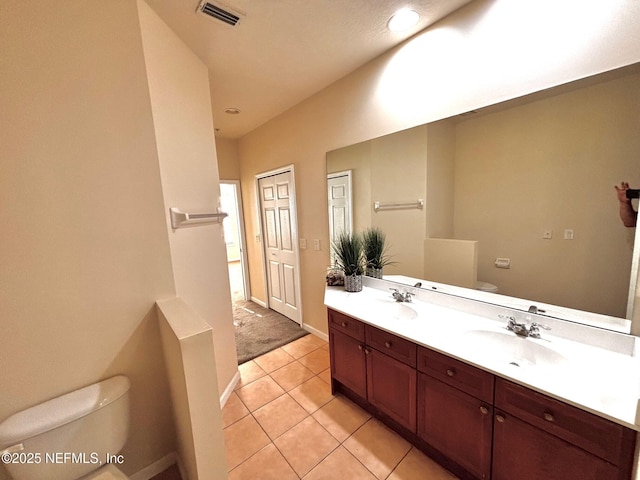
<point>339,200</point>
<point>278,223</point>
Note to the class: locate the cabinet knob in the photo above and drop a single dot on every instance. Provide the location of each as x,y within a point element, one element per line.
<point>548,417</point>
<point>387,344</point>
<point>484,410</point>
<point>344,324</point>
<point>500,418</point>
<point>451,372</point>
<point>360,347</point>
<point>367,351</point>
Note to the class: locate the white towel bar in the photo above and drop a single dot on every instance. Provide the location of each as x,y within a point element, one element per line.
<point>181,219</point>
<point>398,206</point>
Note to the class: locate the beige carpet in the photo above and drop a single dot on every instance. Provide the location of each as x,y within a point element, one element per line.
<point>260,330</point>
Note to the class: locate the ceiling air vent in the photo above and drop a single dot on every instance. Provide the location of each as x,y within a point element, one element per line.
<point>219,13</point>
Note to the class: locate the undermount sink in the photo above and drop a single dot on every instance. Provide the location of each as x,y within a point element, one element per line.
<point>392,309</point>
<point>512,349</point>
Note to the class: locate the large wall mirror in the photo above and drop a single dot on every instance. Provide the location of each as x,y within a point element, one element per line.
<point>529,181</point>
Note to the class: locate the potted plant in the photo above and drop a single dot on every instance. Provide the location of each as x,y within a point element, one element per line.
<point>349,257</point>
<point>375,251</point>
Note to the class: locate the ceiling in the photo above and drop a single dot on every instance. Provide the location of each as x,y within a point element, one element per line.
<point>283,51</point>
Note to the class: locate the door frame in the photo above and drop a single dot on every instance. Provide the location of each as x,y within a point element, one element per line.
<point>349,175</point>
<point>294,233</point>
<point>244,261</point>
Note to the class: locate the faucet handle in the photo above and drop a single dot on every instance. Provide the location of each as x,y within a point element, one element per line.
<point>511,321</point>
<point>534,329</point>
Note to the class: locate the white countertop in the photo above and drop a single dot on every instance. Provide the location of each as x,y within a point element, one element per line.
<point>599,380</point>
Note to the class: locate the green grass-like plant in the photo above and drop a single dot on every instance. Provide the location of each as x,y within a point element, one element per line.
<point>375,248</point>
<point>349,254</point>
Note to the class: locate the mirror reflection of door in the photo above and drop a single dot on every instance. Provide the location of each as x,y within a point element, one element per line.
<point>277,205</point>
<point>340,205</point>
<point>231,203</point>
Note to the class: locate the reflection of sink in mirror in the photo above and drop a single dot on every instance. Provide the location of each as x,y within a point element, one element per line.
<point>393,309</point>
<point>512,349</point>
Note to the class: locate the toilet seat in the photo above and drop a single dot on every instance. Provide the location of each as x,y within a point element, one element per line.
<point>108,472</point>
<point>486,287</point>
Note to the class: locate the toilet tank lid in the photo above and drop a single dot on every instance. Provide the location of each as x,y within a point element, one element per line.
<point>61,410</point>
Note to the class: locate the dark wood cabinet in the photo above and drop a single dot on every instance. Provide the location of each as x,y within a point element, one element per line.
<point>348,364</point>
<point>525,452</point>
<point>451,417</point>
<point>386,380</point>
<point>479,425</point>
<point>391,387</point>
<point>538,437</point>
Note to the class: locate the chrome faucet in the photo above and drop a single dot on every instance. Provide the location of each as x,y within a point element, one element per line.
<point>522,330</point>
<point>398,296</point>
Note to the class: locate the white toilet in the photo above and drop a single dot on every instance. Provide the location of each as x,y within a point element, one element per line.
<point>486,287</point>
<point>76,436</point>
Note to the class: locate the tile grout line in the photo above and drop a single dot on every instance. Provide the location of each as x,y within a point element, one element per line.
<point>308,414</point>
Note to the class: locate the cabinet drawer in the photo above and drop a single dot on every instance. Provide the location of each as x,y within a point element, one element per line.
<point>346,324</point>
<point>594,434</point>
<point>391,345</point>
<point>458,374</point>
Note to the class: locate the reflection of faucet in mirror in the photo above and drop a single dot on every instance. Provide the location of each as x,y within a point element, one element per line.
<point>535,309</point>
<point>481,162</point>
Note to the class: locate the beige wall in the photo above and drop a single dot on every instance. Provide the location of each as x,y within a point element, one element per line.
<point>84,240</point>
<point>228,160</point>
<point>552,165</point>
<point>187,342</point>
<point>179,89</point>
<point>462,63</point>
<point>441,150</point>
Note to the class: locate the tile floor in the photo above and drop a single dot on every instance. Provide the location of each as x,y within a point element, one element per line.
<point>282,423</point>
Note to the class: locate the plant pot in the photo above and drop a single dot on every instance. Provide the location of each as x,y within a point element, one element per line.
<point>374,272</point>
<point>353,283</point>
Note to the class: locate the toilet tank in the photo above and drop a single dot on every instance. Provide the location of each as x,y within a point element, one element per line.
<point>69,436</point>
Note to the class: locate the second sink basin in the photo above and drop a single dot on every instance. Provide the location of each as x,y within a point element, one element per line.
<point>512,349</point>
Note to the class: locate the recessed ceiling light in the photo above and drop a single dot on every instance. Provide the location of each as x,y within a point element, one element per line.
<point>232,111</point>
<point>402,20</point>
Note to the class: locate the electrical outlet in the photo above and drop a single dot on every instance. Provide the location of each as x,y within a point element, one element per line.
<point>568,234</point>
<point>303,244</point>
<point>316,245</point>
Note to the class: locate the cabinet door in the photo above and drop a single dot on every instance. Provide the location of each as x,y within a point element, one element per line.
<point>456,424</point>
<point>347,362</point>
<point>391,387</point>
<point>525,452</point>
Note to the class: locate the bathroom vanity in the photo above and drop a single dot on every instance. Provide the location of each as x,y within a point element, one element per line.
<point>448,376</point>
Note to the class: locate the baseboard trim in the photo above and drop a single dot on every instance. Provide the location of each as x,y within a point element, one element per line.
<point>259,302</point>
<point>229,390</point>
<point>156,467</point>
<point>316,332</point>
